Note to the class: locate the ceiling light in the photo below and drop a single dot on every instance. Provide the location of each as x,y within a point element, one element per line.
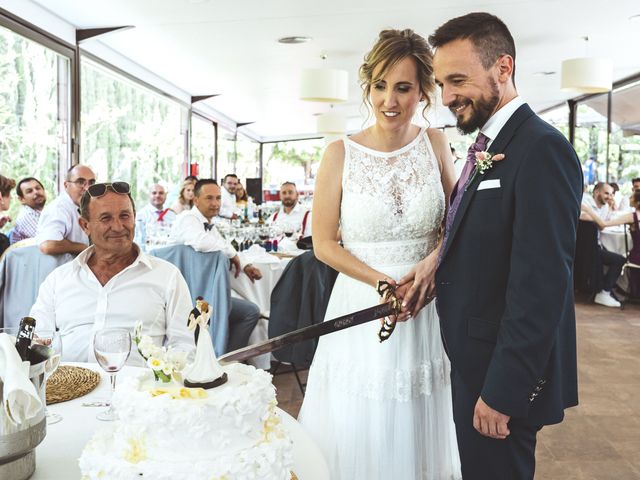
<point>635,18</point>
<point>544,73</point>
<point>587,75</point>
<point>294,40</point>
<point>331,123</point>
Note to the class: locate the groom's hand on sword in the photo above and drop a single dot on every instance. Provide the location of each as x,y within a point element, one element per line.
<point>417,288</point>
<point>490,422</point>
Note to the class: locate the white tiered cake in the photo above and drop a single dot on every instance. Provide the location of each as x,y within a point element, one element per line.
<point>168,431</point>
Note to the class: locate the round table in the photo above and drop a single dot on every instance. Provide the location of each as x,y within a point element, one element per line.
<point>612,239</point>
<point>57,456</point>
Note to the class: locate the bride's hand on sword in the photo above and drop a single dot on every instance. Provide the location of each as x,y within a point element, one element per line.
<point>417,288</point>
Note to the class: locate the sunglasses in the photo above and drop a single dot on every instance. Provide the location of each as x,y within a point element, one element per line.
<point>99,189</point>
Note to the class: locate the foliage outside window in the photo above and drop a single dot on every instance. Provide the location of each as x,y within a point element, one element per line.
<point>33,113</point>
<point>237,154</point>
<point>203,145</point>
<point>130,133</point>
<point>294,161</point>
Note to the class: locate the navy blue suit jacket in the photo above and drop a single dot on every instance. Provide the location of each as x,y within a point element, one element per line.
<point>505,281</point>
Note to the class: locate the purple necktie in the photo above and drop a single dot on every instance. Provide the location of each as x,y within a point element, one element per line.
<point>458,190</point>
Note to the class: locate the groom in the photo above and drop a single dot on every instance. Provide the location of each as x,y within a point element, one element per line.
<point>504,282</point>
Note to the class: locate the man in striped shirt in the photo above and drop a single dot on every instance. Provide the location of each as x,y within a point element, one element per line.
<point>33,197</point>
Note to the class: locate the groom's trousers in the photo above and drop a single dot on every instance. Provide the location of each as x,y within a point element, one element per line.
<point>485,458</point>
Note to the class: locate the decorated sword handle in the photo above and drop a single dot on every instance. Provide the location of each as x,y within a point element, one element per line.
<point>388,293</point>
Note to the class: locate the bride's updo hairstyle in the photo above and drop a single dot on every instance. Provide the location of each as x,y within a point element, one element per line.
<point>391,47</point>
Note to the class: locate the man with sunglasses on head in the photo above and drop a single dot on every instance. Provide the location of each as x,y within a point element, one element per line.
<point>113,283</point>
<point>58,229</point>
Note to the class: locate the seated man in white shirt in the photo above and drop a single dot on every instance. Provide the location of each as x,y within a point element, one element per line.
<point>113,284</point>
<point>228,208</point>
<point>58,228</point>
<point>291,213</point>
<point>194,228</point>
<point>598,205</point>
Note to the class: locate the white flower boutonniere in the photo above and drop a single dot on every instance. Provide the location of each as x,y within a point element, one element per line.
<point>484,162</point>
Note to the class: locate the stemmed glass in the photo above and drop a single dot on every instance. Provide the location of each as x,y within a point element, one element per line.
<point>53,340</point>
<point>112,347</point>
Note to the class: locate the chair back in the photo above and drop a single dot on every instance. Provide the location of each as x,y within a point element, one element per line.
<point>207,276</point>
<point>298,300</point>
<point>22,270</point>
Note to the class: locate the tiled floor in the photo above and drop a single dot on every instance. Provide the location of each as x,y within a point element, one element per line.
<point>600,439</point>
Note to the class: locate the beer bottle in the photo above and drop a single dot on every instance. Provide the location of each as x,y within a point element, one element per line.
<point>25,335</point>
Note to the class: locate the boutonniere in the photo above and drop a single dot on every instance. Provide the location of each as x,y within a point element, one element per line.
<point>484,162</point>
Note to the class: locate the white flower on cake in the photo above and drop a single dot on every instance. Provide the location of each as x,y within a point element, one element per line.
<point>164,363</point>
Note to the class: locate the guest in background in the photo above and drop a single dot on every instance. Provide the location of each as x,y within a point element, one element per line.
<point>6,185</point>
<point>33,197</point>
<point>228,207</point>
<point>194,228</point>
<point>76,299</point>
<point>241,195</point>
<point>191,178</point>
<point>185,198</point>
<point>291,212</point>
<point>630,218</point>
<point>600,199</point>
<point>58,228</point>
<point>614,200</point>
<point>154,214</point>
<point>625,203</point>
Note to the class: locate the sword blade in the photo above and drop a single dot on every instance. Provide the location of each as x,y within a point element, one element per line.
<point>307,333</point>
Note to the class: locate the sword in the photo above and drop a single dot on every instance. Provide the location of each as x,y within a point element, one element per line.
<point>313,331</point>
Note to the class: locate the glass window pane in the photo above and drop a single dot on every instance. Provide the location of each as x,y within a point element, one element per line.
<point>624,147</point>
<point>237,154</point>
<point>130,133</point>
<point>591,138</point>
<point>203,145</point>
<point>34,112</point>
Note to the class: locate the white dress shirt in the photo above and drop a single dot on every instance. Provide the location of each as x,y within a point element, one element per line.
<point>228,206</point>
<point>149,214</point>
<point>498,120</point>
<point>150,290</point>
<point>188,229</point>
<point>59,221</point>
<point>293,218</point>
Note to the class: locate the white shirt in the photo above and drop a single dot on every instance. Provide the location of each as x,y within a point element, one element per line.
<point>59,221</point>
<point>188,229</point>
<point>149,214</point>
<point>604,212</point>
<point>150,290</point>
<point>498,120</point>
<point>228,207</point>
<point>294,218</point>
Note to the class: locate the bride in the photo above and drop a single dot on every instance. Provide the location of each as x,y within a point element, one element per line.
<point>383,410</point>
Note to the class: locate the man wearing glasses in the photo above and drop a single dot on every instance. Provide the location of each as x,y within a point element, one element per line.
<point>58,229</point>
<point>113,283</point>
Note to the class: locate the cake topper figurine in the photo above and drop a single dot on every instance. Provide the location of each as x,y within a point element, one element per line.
<point>205,371</point>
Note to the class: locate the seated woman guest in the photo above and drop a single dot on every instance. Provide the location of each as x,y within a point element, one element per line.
<point>241,195</point>
<point>185,199</point>
<point>6,185</point>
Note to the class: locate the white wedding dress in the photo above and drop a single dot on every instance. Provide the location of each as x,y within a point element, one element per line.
<point>382,411</point>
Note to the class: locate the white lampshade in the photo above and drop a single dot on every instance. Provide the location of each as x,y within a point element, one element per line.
<point>324,85</point>
<point>331,123</point>
<point>587,75</point>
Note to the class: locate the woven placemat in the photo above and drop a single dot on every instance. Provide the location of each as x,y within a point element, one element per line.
<point>69,382</point>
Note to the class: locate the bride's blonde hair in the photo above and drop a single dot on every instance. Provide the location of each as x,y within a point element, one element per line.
<point>391,47</point>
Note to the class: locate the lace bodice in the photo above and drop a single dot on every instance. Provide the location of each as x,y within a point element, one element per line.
<point>392,203</point>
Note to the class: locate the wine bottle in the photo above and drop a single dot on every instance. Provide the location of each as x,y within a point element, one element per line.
<point>25,336</point>
<point>260,219</point>
<point>234,244</point>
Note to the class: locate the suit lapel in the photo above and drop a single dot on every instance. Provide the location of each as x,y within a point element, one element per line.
<point>497,146</point>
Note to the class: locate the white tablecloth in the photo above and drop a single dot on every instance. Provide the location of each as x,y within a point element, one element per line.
<point>612,239</point>
<point>57,455</point>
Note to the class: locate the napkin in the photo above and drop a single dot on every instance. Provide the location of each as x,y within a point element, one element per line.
<point>287,245</point>
<point>19,396</point>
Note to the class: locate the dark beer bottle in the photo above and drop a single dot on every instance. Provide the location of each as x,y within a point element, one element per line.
<point>25,335</point>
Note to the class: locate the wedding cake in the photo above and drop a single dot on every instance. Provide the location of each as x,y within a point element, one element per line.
<point>169,431</point>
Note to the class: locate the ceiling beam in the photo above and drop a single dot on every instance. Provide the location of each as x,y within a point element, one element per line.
<point>83,34</point>
<point>199,98</point>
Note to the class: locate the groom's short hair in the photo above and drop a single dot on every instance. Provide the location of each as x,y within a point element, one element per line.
<point>488,33</point>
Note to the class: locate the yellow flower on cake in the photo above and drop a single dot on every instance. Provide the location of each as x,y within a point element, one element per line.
<point>155,364</point>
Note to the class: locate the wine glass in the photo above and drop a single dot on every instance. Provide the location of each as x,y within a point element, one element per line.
<point>112,347</point>
<point>53,340</point>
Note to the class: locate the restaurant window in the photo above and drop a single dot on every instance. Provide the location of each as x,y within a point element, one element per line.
<point>237,154</point>
<point>130,132</point>
<point>203,145</point>
<point>591,138</point>
<point>34,112</point>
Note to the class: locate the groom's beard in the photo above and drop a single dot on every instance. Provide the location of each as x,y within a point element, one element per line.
<point>481,110</point>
